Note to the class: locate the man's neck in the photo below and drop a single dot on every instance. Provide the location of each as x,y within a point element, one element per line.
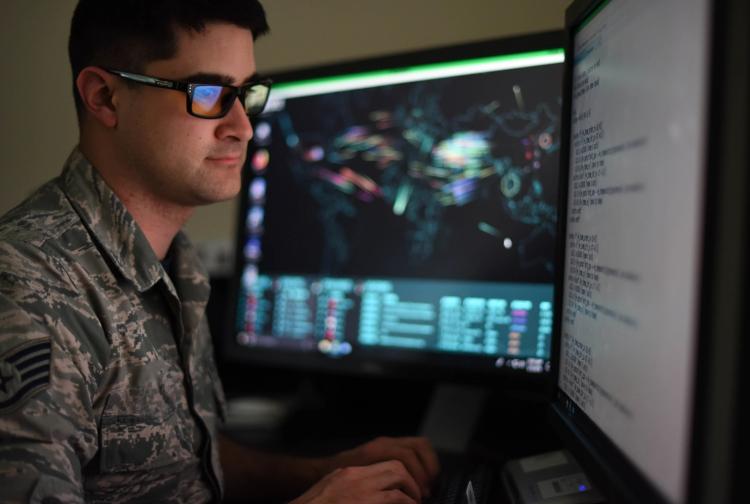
<point>160,221</point>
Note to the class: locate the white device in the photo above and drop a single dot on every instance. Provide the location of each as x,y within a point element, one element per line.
<point>549,478</point>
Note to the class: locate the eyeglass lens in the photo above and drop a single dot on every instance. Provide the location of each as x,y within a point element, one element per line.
<point>215,101</point>
<point>255,99</point>
<point>211,101</point>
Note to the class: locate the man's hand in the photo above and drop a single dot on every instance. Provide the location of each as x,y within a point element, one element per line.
<point>381,483</point>
<point>389,469</point>
<point>414,453</point>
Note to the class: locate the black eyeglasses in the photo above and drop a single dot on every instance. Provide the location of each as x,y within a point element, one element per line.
<point>210,101</point>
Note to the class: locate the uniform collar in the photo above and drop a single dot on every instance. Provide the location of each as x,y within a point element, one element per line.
<point>117,233</point>
<point>190,282</point>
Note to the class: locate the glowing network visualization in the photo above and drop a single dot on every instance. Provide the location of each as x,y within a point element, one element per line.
<point>404,180</point>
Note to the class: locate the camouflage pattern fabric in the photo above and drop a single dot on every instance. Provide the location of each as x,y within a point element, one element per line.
<point>108,387</point>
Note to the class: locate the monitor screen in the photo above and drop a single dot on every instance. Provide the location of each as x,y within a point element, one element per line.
<point>634,229</point>
<point>402,211</point>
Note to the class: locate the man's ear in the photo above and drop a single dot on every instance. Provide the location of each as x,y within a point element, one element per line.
<point>96,89</point>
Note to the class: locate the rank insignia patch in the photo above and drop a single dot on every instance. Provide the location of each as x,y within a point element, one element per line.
<point>24,371</point>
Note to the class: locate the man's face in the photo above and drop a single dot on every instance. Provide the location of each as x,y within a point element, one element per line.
<point>178,158</point>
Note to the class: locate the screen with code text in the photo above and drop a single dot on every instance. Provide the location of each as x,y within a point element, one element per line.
<point>634,228</point>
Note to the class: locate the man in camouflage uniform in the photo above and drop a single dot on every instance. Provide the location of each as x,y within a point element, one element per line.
<point>108,387</point>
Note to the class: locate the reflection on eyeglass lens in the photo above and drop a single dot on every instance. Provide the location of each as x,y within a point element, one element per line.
<point>207,97</point>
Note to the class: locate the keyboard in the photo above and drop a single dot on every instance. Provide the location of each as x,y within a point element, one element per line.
<point>468,485</point>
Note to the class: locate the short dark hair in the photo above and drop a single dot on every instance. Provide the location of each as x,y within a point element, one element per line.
<point>129,34</point>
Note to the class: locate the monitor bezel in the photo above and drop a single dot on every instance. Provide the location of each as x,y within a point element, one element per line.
<point>709,468</point>
<point>419,366</point>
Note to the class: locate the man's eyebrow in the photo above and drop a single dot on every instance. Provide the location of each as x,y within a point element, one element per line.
<point>211,78</point>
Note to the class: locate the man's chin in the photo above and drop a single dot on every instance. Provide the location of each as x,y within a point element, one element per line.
<point>204,199</point>
<point>219,185</point>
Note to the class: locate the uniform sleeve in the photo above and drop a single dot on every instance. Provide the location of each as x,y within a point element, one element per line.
<point>48,430</point>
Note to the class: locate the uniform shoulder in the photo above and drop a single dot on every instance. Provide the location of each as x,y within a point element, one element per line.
<point>46,214</point>
<point>32,256</point>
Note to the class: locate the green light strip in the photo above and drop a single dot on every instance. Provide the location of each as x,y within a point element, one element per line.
<point>416,73</point>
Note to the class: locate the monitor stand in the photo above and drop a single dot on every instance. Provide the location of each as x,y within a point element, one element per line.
<point>452,415</point>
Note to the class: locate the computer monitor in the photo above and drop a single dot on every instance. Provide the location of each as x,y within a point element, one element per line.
<point>653,268</point>
<point>398,215</point>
